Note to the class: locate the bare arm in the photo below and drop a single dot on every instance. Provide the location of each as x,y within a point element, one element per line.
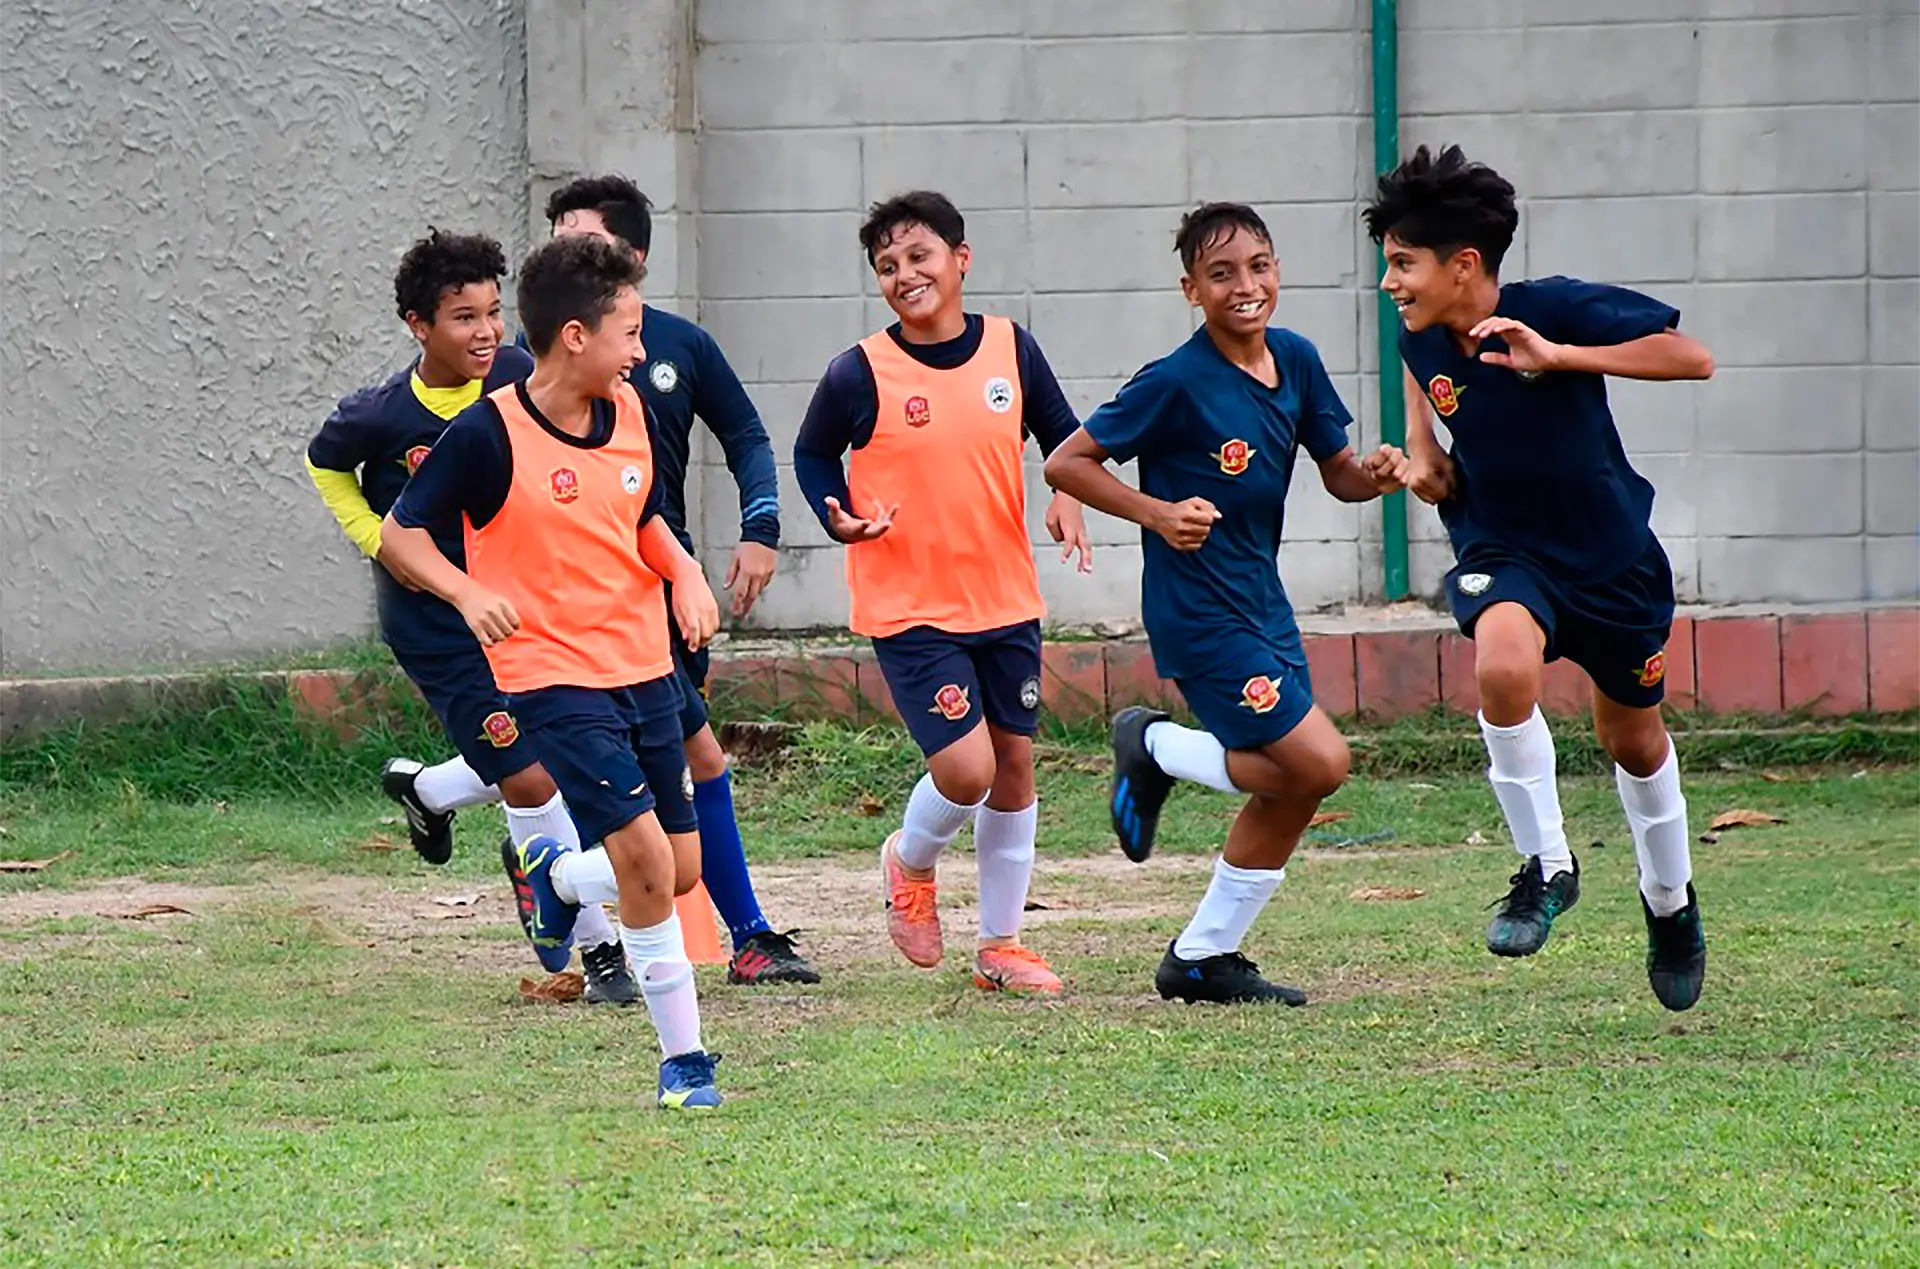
<point>1351,478</point>
<point>1077,467</point>
<point>415,558</point>
<point>695,611</point>
<point>1663,355</point>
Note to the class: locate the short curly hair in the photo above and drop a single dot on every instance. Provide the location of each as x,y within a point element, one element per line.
<point>1211,224</point>
<point>1444,203</point>
<point>443,262</point>
<point>576,277</point>
<point>915,207</point>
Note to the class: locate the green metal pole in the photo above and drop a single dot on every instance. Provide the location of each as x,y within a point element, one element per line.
<point>1393,404</point>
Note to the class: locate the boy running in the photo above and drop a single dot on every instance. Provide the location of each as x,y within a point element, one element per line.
<point>447,290</point>
<point>566,560</point>
<point>1550,527</point>
<point>936,410</point>
<point>1215,425</point>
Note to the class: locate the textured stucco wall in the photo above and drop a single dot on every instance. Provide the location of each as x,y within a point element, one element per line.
<point>202,205</point>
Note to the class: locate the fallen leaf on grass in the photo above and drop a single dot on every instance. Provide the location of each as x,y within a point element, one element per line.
<point>869,806</point>
<point>1476,838</point>
<point>1743,819</point>
<point>1776,777</point>
<point>1424,787</point>
<point>380,841</point>
<point>153,910</point>
<point>448,914</point>
<point>558,989</point>
<point>33,865</point>
<point>389,819</point>
<point>1386,894</point>
<point>459,900</point>
<point>1329,817</point>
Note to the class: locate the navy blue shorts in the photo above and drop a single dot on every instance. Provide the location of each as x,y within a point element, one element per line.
<point>1615,630</point>
<point>615,754</point>
<point>692,667</point>
<point>1253,695</point>
<point>459,688</point>
<point>943,684</point>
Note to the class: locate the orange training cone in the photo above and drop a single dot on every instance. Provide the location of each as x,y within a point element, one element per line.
<point>699,927</point>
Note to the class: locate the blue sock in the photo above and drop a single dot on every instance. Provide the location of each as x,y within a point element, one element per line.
<point>723,861</point>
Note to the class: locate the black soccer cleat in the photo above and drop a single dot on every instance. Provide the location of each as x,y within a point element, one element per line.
<point>430,831</point>
<point>1226,979</point>
<point>1676,954</point>
<point>1139,787</point>
<point>609,978</point>
<point>769,957</point>
<point>1525,918</point>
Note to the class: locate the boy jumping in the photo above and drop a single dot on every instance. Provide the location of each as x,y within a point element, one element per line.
<point>566,560</point>
<point>1550,527</point>
<point>936,410</point>
<point>1216,425</point>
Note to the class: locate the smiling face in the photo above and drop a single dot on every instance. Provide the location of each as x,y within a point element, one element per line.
<point>1426,288</point>
<point>1235,282</point>
<point>459,340</point>
<point>920,276</point>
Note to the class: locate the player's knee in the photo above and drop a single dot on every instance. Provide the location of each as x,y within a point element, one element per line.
<point>532,787</point>
<point>643,862</point>
<point>705,758</point>
<point>1324,769</point>
<point>1638,742</point>
<point>1508,677</point>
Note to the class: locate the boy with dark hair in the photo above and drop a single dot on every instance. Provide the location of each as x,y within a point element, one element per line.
<point>447,290</point>
<point>1215,426</point>
<point>1550,527</point>
<point>685,374</point>
<point>567,555</point>
<point>936,410</point>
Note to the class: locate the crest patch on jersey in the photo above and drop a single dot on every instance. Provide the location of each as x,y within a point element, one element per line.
<point>919,413</point>
<point>565,483</point>
<point>500,729</point>
<point>1445,397</point>
<point>1234,457</point>
<point>1654,669</point>
<point>1474,583</point>
<point>664,376</point>
<point>951,703</point>
<point>1030,693</point>
<point>630,479</point>
<point>999,395</point>
<point>416,456</point>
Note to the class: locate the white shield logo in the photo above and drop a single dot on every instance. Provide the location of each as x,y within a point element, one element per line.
<point>664,376</point>
<point>1030,694</point>
<point>999,395</point>
<point>630,479</point>
<point>1474,583</point>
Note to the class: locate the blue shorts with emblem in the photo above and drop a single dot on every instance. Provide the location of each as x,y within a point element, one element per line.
<point>615,754</point>
<point>1253,695</point>
<point>693,667</point>
<point>458,686</point>
<point>943,684</point>
<point>1615,630</point>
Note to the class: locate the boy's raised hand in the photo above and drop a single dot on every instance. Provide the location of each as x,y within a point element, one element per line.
<point>851,528</point>
<point>1185,525</point>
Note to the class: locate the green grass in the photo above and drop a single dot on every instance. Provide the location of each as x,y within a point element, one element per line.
<point>251,1084</point>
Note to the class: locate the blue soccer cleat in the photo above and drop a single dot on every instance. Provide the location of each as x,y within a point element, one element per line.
<point>544,915</point>
<point>686,1082</point>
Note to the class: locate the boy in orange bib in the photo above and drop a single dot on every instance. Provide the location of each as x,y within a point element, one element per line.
<point>936,410</point>
<point>567,559</point>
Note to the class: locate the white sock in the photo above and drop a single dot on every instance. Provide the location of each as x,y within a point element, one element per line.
<point>930,823</point>
<point>1187,754</point>
<point>1523,776</point>
<point>659,957</point>
<point>585,877</point>
<point>1657,814</point>
<point>1233,901</point>
<point>452,785</point>
<point>1003,849</point>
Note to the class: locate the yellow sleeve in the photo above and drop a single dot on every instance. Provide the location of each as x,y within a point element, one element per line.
<point>341,492</point>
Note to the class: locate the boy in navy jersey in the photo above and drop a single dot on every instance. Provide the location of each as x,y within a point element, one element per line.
<point>447,290</point>
<point>1550,526</point>
<point>1216,426</point>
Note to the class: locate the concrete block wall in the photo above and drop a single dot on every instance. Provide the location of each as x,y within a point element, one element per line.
<point>1751,161</point>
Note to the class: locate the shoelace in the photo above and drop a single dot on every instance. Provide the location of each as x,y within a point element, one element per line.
<point>776,942</point>
<point>1526,893</point>
<point>921,902</point>
<point>1026,954</point>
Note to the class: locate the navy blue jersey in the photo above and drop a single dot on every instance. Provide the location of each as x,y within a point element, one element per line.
<point>1540,470</point>
<point>1202,427</point>
<point>384,433</point>
<point>686,376</point>
<point>470,472</point>
<point>846,404</point>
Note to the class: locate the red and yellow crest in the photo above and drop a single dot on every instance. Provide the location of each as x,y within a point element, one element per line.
<point>500,729</point>
<point>951,703</point>
<point>1445,397</point>
<point>416,456</point>
<point>566,484</point>
<point>919,413</point>
<point>1234,457</point>
<point>1260,694</point>
<point>1654,670</point>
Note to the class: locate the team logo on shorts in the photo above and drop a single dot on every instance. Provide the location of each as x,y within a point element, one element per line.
<point>664,376</point>
<point>1445,397</point>
<point>1234,457</point>
<point>1474,583</point>
<point>951,703</point>
<point>1030,693</point>
<point>999,395</point>
<point>686,783</point>
<point>630,479</point>
<point>500,729</point>
<point>919,413</point>
<point>1654,670</point>
<point>566,484</point>
<point>1260,694</point>
<point>416,456</point>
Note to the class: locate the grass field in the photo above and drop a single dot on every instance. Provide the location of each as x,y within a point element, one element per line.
<point>318,1064</point>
